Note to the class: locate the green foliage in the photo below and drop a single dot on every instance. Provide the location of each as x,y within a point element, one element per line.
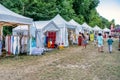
<point>7,30</point>
<point>79,10</point>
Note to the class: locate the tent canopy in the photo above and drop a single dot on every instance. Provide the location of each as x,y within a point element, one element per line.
<point>60,22</point>
<point>64,27</point>
<point>24,29</point>
<point>46,26</point>
<point>7,15</point>
<point>96,28</point>
<point>79,27</point>
<point>37,26</point>
<point>40,24</point>
<point>86,26</point>
<point>75,23</point>
<point>106,30</point>
<point>21,28</point>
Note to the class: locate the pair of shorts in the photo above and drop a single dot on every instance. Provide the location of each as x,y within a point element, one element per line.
<point>100,45</point>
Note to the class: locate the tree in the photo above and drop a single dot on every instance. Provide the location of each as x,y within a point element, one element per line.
<point>79,10</point>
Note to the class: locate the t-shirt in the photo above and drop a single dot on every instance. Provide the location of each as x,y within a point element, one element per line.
<point>100,39</point>
<point>109,41</point>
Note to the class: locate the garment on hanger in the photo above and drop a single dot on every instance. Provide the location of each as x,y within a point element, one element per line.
<point>24,42</point>
<point>12,41</point>
<point>9,45</point>
<point>0,47</point>
<point>16,45</point>
<point>6,43</point>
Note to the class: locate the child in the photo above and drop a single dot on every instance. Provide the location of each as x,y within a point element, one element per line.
<point>110,41</point>
<point>100,42</point>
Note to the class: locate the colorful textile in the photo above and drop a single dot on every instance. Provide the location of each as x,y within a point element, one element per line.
<point>48,45</point>
<point>0,47</point>
<point>92,37</point>
<point>80,40</point>
<point>9,44</point>
<point>6,43</point>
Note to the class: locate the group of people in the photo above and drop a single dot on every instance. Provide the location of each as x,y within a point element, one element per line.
<point>83,40</point>
<point>100,42</point>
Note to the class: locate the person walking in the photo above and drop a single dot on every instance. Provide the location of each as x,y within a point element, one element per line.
<point>100,42</point>
<point>84,41</point>
<point>80,39</point>
<point>110,41</point>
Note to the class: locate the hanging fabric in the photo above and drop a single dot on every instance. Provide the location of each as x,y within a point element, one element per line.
<point>0,46</point>
<point>9,44</point>
<point>6,43</point>
<point>24,42</point>
<point>16,45</point>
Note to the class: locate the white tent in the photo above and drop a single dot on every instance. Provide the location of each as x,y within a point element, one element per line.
<point>7,15</point>
<point>23,29</point>
<point>41,28</point>
<point>106,30</point>
<point>11,18</point>
<point>79,27</point>
<point>38,29</point>
<point>46,26</point>
<point>64,26</point>
<point>96,28</point>
<point>86,27</point>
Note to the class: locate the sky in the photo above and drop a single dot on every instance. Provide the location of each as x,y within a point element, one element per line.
<point>110,9</point>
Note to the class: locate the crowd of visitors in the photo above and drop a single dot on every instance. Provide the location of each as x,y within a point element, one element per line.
<point>98,39</point>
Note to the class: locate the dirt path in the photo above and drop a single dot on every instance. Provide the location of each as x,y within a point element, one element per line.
<point>73,63</point>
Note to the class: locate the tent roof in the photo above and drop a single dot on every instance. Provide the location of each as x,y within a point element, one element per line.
<point>60,22</point>
<point>86,26</point>
<point>21,27</point>
<point>96,28</point>
<point>37,25</point>
<point>45,24</point>
<point>74,22</point>
<point>7,15</point>
<point>106,30</point>
<point>40,24</point>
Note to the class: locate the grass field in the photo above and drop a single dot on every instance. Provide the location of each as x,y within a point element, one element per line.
<point>72,63</point>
